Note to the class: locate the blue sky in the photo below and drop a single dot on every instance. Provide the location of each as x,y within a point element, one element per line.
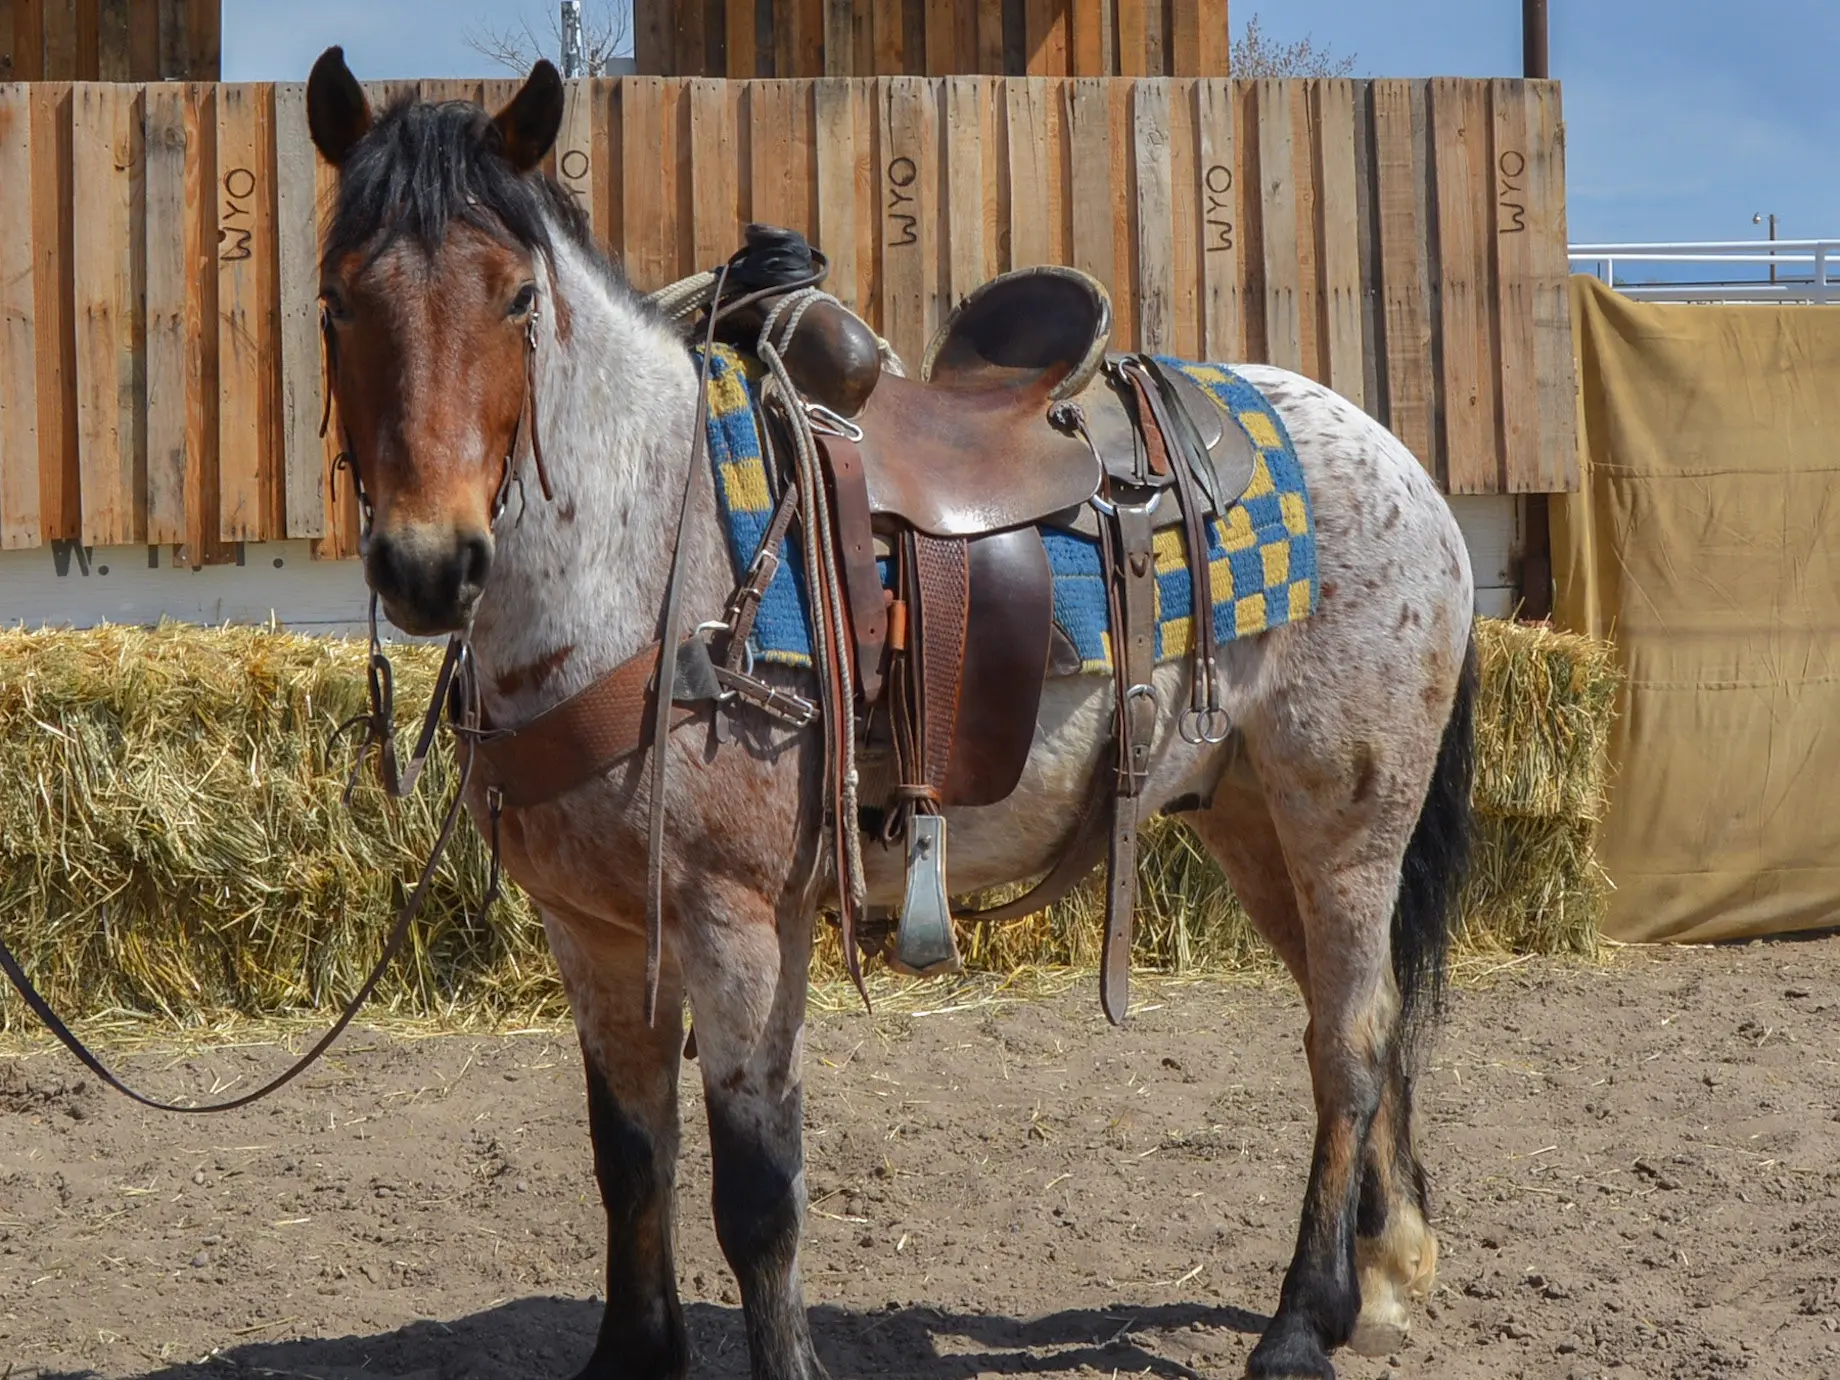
<point>1683,117</point>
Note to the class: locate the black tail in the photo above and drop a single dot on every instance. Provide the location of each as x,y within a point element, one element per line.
<point>1437,862</point>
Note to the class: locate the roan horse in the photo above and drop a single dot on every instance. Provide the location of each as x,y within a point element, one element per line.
<point>1339,808</point>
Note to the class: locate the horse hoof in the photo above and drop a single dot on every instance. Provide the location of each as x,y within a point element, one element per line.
<point>1382,1331</point>
<point>1297,1356</point>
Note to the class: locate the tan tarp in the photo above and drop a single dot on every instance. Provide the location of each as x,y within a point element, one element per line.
<point>1706,543</point>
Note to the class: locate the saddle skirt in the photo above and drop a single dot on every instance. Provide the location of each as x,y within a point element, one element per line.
<point>1261,552</point>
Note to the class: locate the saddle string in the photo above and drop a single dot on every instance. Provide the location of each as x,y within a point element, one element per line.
<point>830,621</point>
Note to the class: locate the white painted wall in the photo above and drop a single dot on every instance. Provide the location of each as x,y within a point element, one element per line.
<point>69,587</point>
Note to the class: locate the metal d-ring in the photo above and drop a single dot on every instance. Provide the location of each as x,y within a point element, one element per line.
<point>1111,509</point>
<point>1203,720</point>
<point>832,423</point>
<point>747,648</point>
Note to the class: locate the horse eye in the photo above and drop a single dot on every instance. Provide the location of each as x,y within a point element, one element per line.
<point>524,301</point>
<point>335,304</point>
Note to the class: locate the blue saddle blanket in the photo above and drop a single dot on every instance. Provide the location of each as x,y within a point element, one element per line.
<point>1261,554</point>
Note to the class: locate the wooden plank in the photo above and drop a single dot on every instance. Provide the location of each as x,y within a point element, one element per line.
<point>573,152</point>
<point>303,477</point>
<point>1031,174</point>
<point>909,200</point>
<point>1134,21</point>
<point>89,60</point>
<point>1556,368</point>
<point>1184,220</point>
<point>889,27</point>
<point>249,477</point>
<point>740,40</point>
<point>834,113</point>
<point>1092,194</point>
<point>839,37</point>
<point>59,32</point>
<point>1282,222</point>
<point>1460,143</point>
<point>1155,225</point>
<point>652,49</point>
<point>1124,214</point>
<point>1087,18</point>
<point>114,60</point>
<point>715,214</point>
<point>941,39</point>
<point>1047,38</point>
<point>1410,391</point>
<point>19,444</point>
<point>968,101</point>
<point>1512,235</point>
<point>781,144</point>
<point>1338,224</point>
<point>1367,214</point>
<point>1218,192</point>
<point>649,180</point>
<point>989,36</point>
<point>108,257</point>
<point>143,40</point>
<point>1213,54</point>
<point>608,156</point>
<point>688,47</point>
<point>1185,46</point>
<point>341,539</point>
<point>454,89</point>
<point>1156,41</point>
<point>22,48</point>
<point>171,376</point>
<point>54,298</point>
<point>1251,255</point>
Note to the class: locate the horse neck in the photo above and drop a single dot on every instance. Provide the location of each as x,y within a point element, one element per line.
<point>578,582</point>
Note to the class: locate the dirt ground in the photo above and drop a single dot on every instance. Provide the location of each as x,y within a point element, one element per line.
<point>1635,1174</point>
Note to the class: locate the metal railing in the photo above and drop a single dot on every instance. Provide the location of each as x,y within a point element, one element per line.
<point>1754,270</point>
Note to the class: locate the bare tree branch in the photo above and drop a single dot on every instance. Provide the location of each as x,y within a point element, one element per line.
<point>604,37</point>
<point>1255,55</point>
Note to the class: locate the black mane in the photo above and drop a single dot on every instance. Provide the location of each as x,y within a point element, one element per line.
<point>421,167</point>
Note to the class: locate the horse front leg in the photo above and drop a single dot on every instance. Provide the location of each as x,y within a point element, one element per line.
<point>747,974</point>
<point>633,1121</point>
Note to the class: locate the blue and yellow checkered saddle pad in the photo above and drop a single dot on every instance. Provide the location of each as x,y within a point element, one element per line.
<point>1262,553</point>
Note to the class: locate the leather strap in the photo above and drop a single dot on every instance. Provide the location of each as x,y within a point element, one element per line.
<point>667,671</point>
<point>942,581</point>
<point>856,556</point>
<point>577,740</point>
<point>1127,553</point>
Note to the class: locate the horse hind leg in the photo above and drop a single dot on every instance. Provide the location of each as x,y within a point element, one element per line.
<point>1395,1251</point>
<point>1374,831</point>
<point>633,1122</point>
<point>747,971</point>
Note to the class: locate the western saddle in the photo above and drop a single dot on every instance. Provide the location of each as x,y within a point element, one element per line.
<point>921,506</point>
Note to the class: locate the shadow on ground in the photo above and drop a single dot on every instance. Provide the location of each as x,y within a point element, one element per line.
<point>549,1338</point>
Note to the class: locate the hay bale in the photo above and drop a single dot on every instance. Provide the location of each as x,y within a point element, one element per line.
<point>172,839</point>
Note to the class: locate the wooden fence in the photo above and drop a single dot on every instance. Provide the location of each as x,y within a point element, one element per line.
<point>110,40</point>
<point>934,38</point>
<point>1403,241</point>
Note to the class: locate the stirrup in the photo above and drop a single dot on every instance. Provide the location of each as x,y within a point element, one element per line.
<point>924,945</point>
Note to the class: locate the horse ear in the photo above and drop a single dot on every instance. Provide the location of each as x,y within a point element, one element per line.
<point>530,122</point>
<point>337,113</point>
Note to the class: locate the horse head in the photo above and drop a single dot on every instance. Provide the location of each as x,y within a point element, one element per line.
<point>433,279</point>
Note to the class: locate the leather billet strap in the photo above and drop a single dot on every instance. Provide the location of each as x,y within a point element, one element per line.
<point>856,553</point>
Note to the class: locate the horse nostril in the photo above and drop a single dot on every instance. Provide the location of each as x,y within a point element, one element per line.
<point>475,560</point>
<point>382,565</point>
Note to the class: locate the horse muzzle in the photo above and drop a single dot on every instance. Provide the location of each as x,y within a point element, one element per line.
<point>429,579</point>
